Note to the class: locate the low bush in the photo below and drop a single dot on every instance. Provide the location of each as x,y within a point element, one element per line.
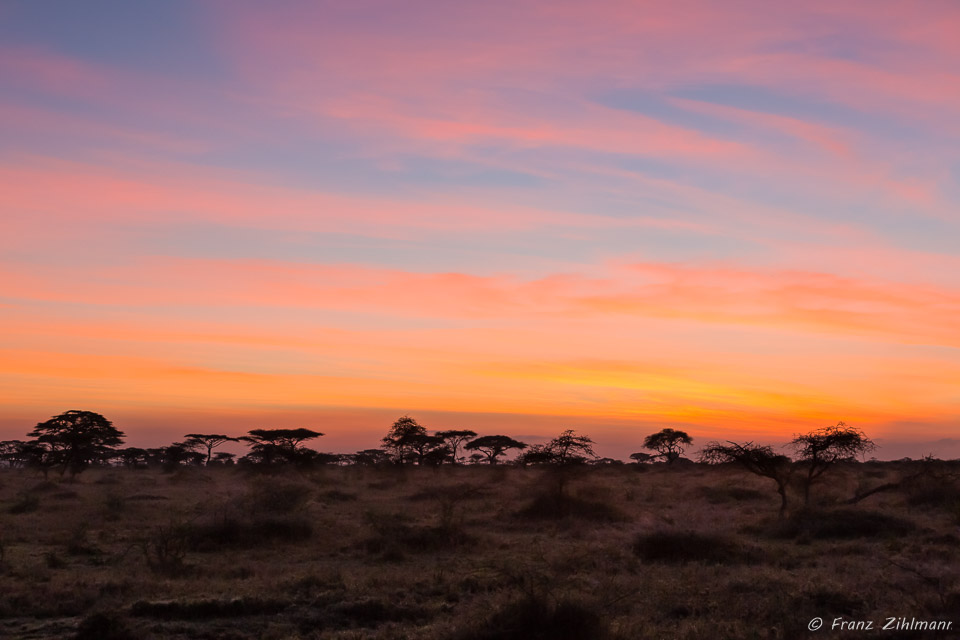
<point>205,609</point>
<point>536,618</point>
<point>678,547</point>
<point>552,505</point>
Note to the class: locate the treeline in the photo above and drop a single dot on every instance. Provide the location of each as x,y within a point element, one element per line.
<point>74,440</point>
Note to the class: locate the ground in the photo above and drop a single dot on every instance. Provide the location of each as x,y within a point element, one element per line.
<point>471,553</point>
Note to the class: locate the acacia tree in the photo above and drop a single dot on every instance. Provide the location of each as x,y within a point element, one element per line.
<point>209,441</point>
<point>403,436</point>
<point>454,439</point>
<point>641,457</point>
<point>668,443</point>
<point>269,446</point>
<point>821,449</point>
<point>77,438</point>
<point>569,447</point>
<point>494,446</point>
<point>756,459</point>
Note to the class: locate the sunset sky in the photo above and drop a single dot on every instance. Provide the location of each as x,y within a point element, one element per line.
<point>740,219</point>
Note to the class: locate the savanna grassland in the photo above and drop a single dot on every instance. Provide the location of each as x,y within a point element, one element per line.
<point>470,553</point>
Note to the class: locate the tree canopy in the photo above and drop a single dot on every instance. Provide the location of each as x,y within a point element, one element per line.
<point>77,438</point>
<point>668,443</point>
<point>494,446</point>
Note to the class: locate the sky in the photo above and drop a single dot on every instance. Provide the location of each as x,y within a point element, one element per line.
<point>740,219</point>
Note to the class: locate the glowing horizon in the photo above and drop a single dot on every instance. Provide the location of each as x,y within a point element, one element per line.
<point>742,221</point>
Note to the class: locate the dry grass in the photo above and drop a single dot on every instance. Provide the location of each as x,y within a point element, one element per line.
<point>464,553</point>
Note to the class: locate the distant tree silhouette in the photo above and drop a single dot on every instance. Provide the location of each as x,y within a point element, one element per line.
<point>494,446</point>
<point>454,439</point>
<point>271,446</point>
<point>14,453</point>
<point>371,457</point>
<point>668,443</point>
<point>209,441</point>
<point>223,458</point>
<point>641,457</point>
<point>404,438</point>
<point>821,449</point>
<point>569,447</point>
<point>536,455</point>
<point>756,459</point>
<point>133,457</point>
<point>178,454</point>
<point>77,439</point>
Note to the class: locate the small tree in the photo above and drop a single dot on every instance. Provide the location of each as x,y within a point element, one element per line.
<point>405,435</point>
<point>569,448</point>
<point>821,449</point>
<point>761,461</point>
<point>371,457</point>
<point>454,439</point>
<point>209,441</point>
<point>77,438</point>
<point>269,446</point>
<point>641,458</point>
<point>668,443</point>
<point>494,446</point>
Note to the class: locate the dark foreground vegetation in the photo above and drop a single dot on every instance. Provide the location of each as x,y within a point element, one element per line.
<point>474,552</point>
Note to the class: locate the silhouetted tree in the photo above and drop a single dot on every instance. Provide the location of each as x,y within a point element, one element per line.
<point>270,446</point>
<point>454,439</point>
<point>133,457</point>
<point>178,454</point>
<point>756,459</point>
<point>77,438</point>
<point>668,443</point>
<point>14,453</point>
<point>223,458</point>
<point>494,446</point>
<point>569,448</point>
<point>424,446</point>
<point>821,449</point>
<point>536,454</point>
<point>403,436</point>
<point>209,441</point>
<point>641,458</point>
<point>371,457</point>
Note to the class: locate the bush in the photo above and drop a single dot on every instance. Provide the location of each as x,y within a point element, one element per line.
<point>534,618</point>
<point>103,626</point>
<point>204,609</point>
<point>229,532</point>
<point>728,494</point>
<point>552,505</point>
<point>845,524</point>
<point>277,495</point>
<point>689,546</point>
<point>25,503</point>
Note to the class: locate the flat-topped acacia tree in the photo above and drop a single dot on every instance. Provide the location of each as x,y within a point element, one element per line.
<point>494,446</point>
<point>821,449</point>
<point>454,439</point>
<point>77,438</point>
<point>209,441</point>
<point>668,443</point>
<point>757,459</point>
<point>270,445</point>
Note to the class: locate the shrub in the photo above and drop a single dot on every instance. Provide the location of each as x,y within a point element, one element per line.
<point>535,618</point>
<point>103,626</point>
<point>690,546</point>
<point>240,533</point>
<point>203,609</point>
<point>26,502</point>
<point>846,524</point>
<point>552,505</point>
<point>277,495</point>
